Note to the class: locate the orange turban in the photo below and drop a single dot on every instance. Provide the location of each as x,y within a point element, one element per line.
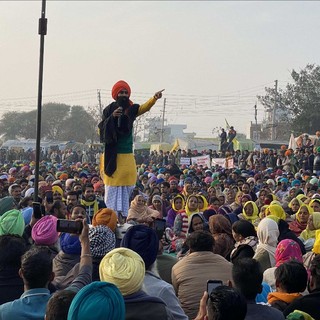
<point>107,217</point>
<point>120,85</point>
<point>64,176</point>
<point>287,153</point>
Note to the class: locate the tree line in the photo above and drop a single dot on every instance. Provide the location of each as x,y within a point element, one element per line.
<point>58,122</point>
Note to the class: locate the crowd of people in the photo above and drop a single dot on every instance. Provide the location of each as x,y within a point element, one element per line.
<point>254,227</point>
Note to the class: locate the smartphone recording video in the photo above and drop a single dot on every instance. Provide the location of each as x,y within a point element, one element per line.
<point>69,226</point>
<point>212,284</point>
<point>160,227</point>
<point>38,210</point>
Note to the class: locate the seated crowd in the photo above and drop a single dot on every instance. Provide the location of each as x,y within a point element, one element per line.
<point>254,231</point>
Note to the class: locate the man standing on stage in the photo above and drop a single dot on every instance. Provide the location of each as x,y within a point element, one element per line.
<point>118,168</point>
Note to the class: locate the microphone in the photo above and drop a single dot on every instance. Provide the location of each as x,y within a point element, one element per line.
<point>119,118</point>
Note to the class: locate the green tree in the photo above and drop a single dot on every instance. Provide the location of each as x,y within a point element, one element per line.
<point>58,122</point>
<point>299,101</point>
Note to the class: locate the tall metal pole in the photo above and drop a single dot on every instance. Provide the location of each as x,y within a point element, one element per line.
<point>42,31</point>
<point>273,135</point>
<point>162,121</point>
<point>100,104</point>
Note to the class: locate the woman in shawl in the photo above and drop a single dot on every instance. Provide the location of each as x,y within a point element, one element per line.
<point>202,203</point>
<point>245,198</point>
<point>181,221</point>
<point>301,220</point>
<point>187,190</point>
<point>157,204</point>
<point>140,213</point>
<point>287,250</point>
<point>268,233</point>
<point>309,234</point>
<point>245,235</point>
<point>260,201</point>
<point>178,204</point>
<point>275,209</point>
<point>315,205</point>
<point>220,228</point>
<point>294,206</point>
<point>237,201</point>
<point>250,213</point>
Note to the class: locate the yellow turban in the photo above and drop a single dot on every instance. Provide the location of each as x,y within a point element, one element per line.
<point>124,268</point>
<point>276,210</point>
<point>57,189</point>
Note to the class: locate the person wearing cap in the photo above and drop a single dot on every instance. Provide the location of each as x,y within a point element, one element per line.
<point>144,241</point>
<point>118,167</point>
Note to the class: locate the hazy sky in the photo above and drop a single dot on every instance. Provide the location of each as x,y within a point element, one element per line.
<point>212,58</point>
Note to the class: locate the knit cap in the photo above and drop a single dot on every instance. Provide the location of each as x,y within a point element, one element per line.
<point>102,240</point>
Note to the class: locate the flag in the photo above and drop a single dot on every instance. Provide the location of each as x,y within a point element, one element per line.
<point>227,124</point>
<point>175,146</point>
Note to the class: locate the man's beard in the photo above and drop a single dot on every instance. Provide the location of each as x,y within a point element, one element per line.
<point>123,102</point>
<point>90,198</point>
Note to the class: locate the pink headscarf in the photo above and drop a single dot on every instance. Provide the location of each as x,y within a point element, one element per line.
<point>287,250</point>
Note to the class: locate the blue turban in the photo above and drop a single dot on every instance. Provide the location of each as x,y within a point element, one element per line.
<point>144,241</point>
<point>295,182</point>
<point>284,180</point>
<point>98,300</point>
<point>70,244</point>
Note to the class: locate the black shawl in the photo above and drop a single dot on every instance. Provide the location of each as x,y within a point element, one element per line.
<point>109,133</point>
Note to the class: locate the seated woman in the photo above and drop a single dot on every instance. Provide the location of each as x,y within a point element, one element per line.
<point>202,203</point>
<point>245,198</point>
<point>139,212</point>
<point>301,220</point>
<point>268,233</point>
<point>287,250</point>
<point>178,204</point>
<point>220,228</point>
<point>181,221</point>
<point>260,201</point>
<point>245,235</point>
<point>213,208</point>
<point>315,205</point>
<point>237,201</point>
<point>250,213</point>
<point>294,206</point>
<point>309,234</point>
<point>157,204</point>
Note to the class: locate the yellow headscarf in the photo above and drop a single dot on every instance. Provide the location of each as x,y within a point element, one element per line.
<point>124,268</point>
<point>237,200</point>
<point>301,196</point>
<point>57,189</point>
<point>308,234</point>
<point>297,199</point>
<point>255,214</point>
<point>303,205</point>
<point>205,202</point>
<point>276,210</point>
<point>183,202</point>
<point>188,211</point>
<point>274,218</point>
<point>316,246</point>
<point>263,208</point>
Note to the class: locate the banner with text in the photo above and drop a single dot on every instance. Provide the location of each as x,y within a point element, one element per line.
<point>201,161</point>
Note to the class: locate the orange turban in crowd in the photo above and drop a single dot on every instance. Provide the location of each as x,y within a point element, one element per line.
<point>106,217</point>
<point>120,85</point>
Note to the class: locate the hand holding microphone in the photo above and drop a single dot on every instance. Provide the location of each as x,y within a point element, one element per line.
<point>117,114</point>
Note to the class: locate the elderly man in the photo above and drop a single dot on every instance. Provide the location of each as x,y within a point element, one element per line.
<point>118,167</point>
<point>190,275</point>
